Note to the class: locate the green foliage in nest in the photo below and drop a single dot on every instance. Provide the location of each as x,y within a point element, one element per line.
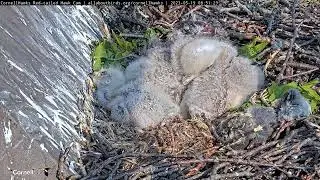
<point>252,49</point>
<point>155,33</point>
<point>243,107</point>
<point>151,33</point>
<point>115,50</point>
<point>108,53</point>
<point>276,91</point>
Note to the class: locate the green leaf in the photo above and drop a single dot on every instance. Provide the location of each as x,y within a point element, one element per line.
<point>97,64</point>
<point>98,54</point>
<point>311,83</point>
<point>311,94</point>
<point>100,50</point>
<point>314,106</point>
<point>276,91</point>
<point>162,30</point>
<point>260,47</point>
<point>150,33</point>
<point>114,48</point>
<point>109,53</point>
<point>253,48</point>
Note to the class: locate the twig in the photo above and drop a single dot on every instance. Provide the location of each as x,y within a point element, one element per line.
<point>114,169</point>
<point>244,8</point>
<point>315,59</point>
<point>166,24</point>
<point>307,42</point>
<point>240,161</point>
<point>272,56</point>
<point>142,171</point>
<point>232,175</point>
<point>311,124</point>
<point>199,175</point>
<point>273,153</point>
<point>234,9</point>
<point>111,159</point>
<point>263,53</point>
<point>181,12</point>
<point>299,49</point>
<point>241,36</point>
<point>62,158</point>
<point>301,65</point>
<point>174,8</point>
<point>215,134</point>
<point>234,16</point>
<point>219,166</point>
<point>132,35</point>
<point>295,149</point>
<point>105,31</point>
<point>258,149</point>
<point>295,34</point>
<point>286,173</point>
<point>142,13</point>
<point>193,10</point>
<point>271,21</point>
<point>299,74</point>
<point>165,171</point>
<point>161,14</point>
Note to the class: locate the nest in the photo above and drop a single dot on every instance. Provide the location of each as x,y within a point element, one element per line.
<point>189,148</point>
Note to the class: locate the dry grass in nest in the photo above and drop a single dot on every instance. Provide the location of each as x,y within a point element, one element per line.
<point>136,153</point>
<point>181,137</point>
<point>176,137</point>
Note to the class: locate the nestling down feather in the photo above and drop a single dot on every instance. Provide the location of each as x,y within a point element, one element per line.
<point>200,75</point>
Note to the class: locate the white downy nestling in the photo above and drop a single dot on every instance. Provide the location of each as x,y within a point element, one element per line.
<point>190,77</point>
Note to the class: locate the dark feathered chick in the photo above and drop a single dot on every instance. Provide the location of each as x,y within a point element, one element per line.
<point>293,106</point>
